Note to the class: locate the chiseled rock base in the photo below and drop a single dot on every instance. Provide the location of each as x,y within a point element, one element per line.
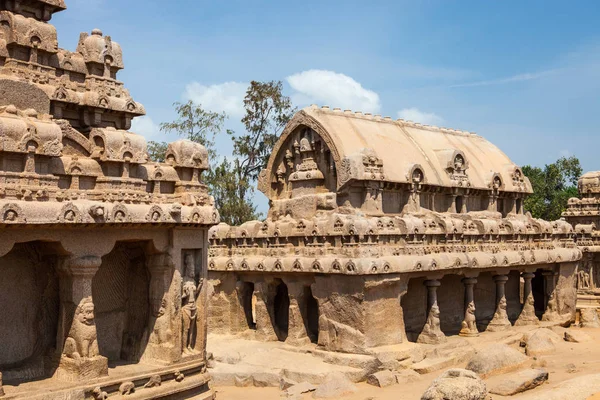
<point>518,382</point>
<point>75,370</point>
<point>456,384</point>
<point>496,359</point>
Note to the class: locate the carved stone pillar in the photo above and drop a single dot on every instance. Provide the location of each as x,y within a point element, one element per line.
<point>297,334</point>
<point>452,207</point>
<point>469,326</point>
<point>77,340</point>
<point>551,313</point>
<point>500,320</point>
<point>432,334</point>
<point>527,316</point>
<point>264,318</point>
<point>463,209</point>
<point>162,327</point>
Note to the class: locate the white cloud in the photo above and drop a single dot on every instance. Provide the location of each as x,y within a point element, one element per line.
<point>511,79</point>
<point>228,97</point>
<point>416,115</point>
<point>145,126</point>
<point>333,89</point>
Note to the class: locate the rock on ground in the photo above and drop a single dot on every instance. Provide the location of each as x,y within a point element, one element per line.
<point>335,386</point>
<point>576,336</point>
<point>519,382</point>
<point>456,384</point>
<point>579,388</point>
<point>540,341</point>
<point>382,379</point>
<point>407,376</point>
<point>496,359</point>
<point>299,389</point>
<point>589,318</point>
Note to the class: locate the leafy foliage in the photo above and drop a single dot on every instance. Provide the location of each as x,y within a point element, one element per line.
<point>552,187</point>
<point>231,181</point>
<point>157,150</point>
<point>225,187</point>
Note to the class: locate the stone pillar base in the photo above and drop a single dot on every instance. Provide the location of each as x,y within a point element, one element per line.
<point>466,332</point>
<point>432,337</point>
<point>527,320</point>
<point>72,370</point>
<point>497,326</point>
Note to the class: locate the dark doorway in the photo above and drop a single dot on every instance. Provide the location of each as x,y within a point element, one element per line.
<point>281,306</point>
<point>121,295</point>
<point>537,288</point>
<point>312,315</point>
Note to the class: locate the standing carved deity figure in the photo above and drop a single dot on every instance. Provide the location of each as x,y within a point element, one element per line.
<point>583,280</point>
<point>82,339</point>
<point>469,326</point>
<point>189,296</point>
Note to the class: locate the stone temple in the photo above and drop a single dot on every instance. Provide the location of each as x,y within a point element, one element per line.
<point>584,214</point>
<point>103,255</point>
<point>381,232</point>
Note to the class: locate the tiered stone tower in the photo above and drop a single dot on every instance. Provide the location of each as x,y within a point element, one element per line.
<point>103,254</point>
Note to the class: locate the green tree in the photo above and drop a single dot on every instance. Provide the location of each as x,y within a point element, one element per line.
<point>157,151</point>
<point>552,187</point>
<point>231,181</point>
<point>267,113</point>
<point>192,123</point>
<point>225,188</point>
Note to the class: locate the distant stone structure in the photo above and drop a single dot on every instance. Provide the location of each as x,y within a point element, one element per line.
<point>381,231</point>
<point>103,254</point>
<point>584,214</point>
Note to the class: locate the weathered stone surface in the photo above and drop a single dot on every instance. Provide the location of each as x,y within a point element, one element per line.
<point>576,336</point>
<point>228,357</point>
<point>589,318</point>
<point>541,341</point>
<point>456,384</point>
<point>580,388</point>
<point>300,388</point>
<point>518,382</point>
<point>335,386</point>
<point>285,383</point>
<point>382,378</point>
<point>496,359</point>
<point>407,376</point>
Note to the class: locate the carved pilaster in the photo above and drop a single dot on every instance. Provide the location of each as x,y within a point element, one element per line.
<point>162,322</point>
<point>432,334</point>
<point>297,334</point>
<point>264,317</point>
<point>500,320</point>
<point>77,337</point>
<point>469,326</point>
<point>551,312</point>
<point>527,316</point>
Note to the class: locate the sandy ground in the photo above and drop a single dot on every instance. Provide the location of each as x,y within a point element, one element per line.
<point>584,356</point>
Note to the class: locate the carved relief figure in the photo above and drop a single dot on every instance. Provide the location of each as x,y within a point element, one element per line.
<point>583,280</point>
<point>189,295</point>
<point>431,332</point>
<point>500,313</point>
<point>162,332</point>
<point>82,340</point>
<point>469,326</point>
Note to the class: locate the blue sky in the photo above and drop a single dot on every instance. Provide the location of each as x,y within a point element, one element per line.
<point>525,75</point>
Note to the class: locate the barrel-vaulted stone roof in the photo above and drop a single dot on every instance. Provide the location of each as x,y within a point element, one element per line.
<point>400,146</point>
